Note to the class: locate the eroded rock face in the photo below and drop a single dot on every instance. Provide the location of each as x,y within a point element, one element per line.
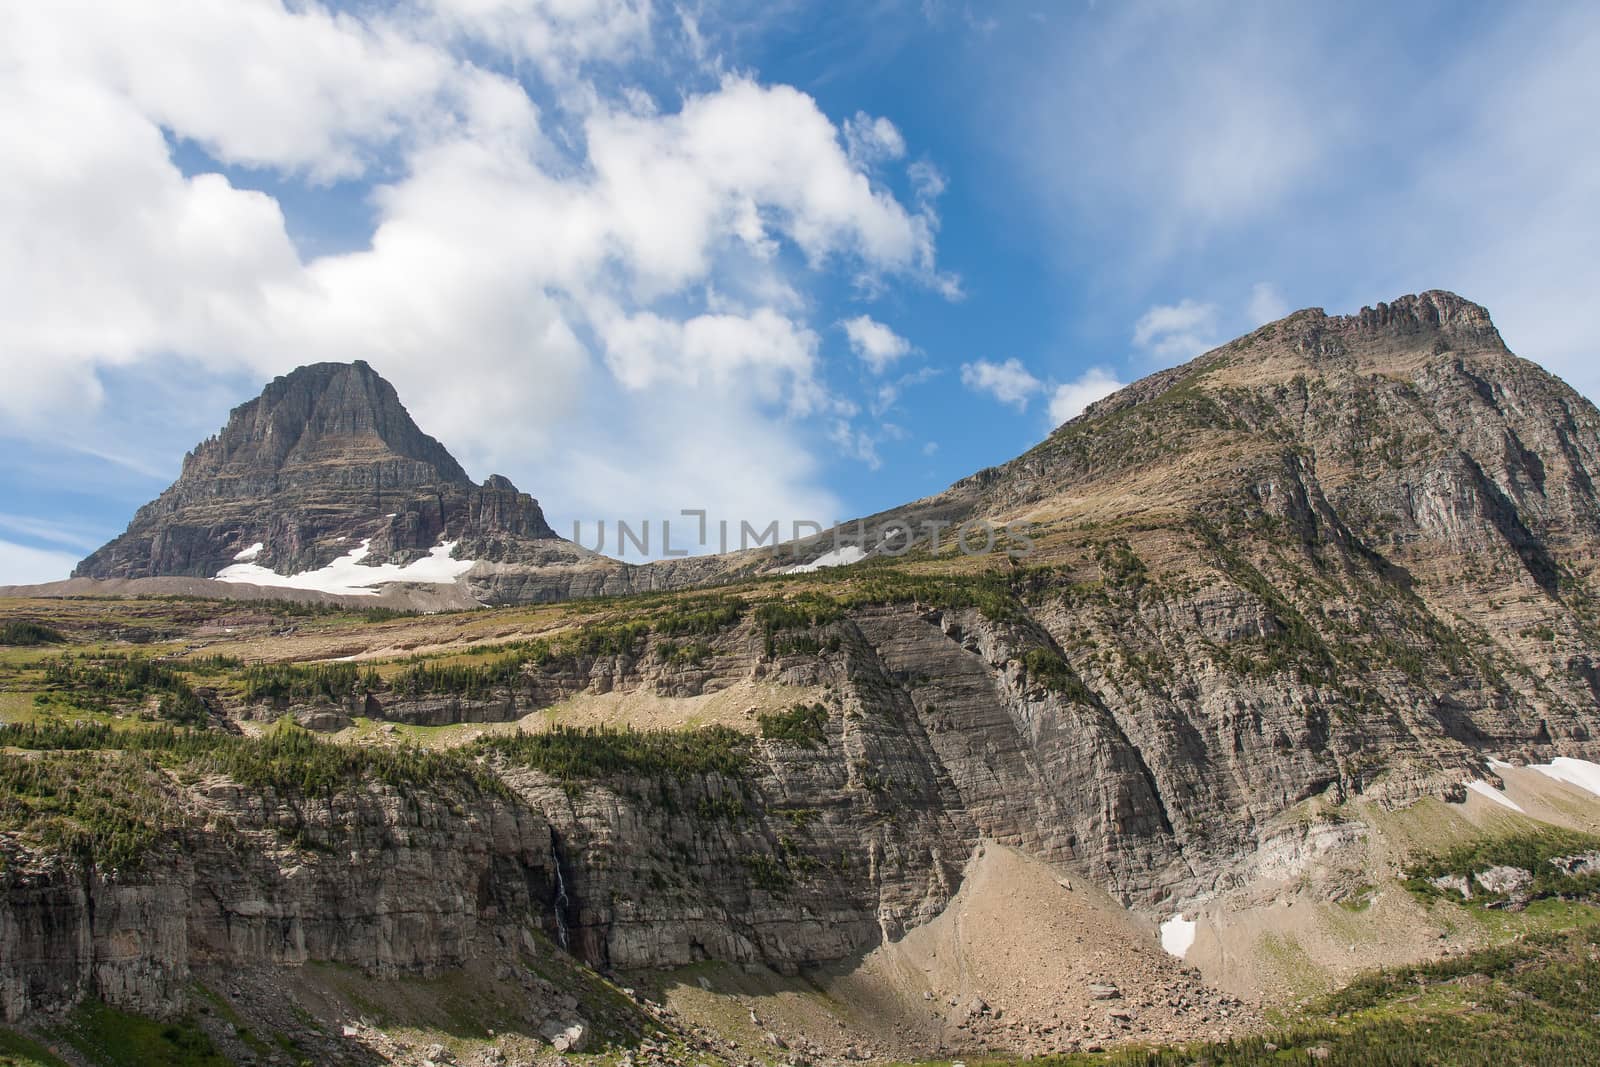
<point>325,458</point>
<point>394,882</point>
<point>1341,556</point>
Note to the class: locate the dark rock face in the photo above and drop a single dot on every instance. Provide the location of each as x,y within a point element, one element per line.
<point>324,458</point>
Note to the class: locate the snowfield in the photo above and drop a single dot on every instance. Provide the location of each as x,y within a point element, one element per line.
<point>1177,935</point>
<point>839,557</point>
<point>250,553</point>
<point>346,576</point>
<point>1578,772</point>
<point>1484,789</point>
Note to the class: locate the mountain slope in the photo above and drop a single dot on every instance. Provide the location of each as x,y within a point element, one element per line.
<point>1295,610</point>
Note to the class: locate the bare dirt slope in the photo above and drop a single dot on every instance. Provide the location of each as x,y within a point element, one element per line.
<point>1024,958</point>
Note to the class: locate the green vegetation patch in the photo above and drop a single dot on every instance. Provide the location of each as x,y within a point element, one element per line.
<point>114,1038</point>
<point>990,592</point>
<point>19,1051</point>
<point>689,654</point>
<point>106,809</point>
<point>1050,670</point>
<point>329,682</point>
<point>510,665</point>
<point>22,632</point>
<point>1532,852</point>
<point>805,725</point>
<point>699,618</point>
<point>803,612</point>
<point>104,682</point>
<point>576,753</point>
<point>101,787</point>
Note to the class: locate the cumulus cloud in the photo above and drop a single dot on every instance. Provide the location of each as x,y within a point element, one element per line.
<point>1008,382</point>
<point>874,343</point>
<point>1173,333</point>
<point>764,351</point>
<point>531,272</point>
<point>1068,400</point>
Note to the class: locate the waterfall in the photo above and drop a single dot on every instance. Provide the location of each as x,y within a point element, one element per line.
<point>561,895</point>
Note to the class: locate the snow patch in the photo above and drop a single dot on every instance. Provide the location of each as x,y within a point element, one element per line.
<point>1578,772</point>
<point>346,576</point>
<point>1177,935</point>
<point>839,557</point>
<point>1484,789</point>
<point>249,553</point>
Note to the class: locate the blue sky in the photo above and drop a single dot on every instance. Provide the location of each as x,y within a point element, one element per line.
<point>792,261</point>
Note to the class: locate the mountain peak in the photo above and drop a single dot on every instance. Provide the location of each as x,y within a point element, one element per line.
<point>324,412</point>
<point>325,459</point>
<point>1434,310</point>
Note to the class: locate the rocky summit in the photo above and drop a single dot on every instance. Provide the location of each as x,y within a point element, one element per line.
<point>326,459</point>
<point>1299,676</point>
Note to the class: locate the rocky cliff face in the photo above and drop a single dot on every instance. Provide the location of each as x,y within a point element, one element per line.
<point>1338,557</point>
<point>325,458</point>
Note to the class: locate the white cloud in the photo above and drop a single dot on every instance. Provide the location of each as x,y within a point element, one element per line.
<point>655,453</point>
<point>888,393</point>
<point>558,35</point>
<point>745,162</point>
<point>870,141</point>
<point>1068,400</point>
<point>856,443</point>
<point>1173,333</point>
<point>876,344</point>
<point>1008,382</point>
<point>253,82</point>
<point>21,565</point>
<point>529,272</point>
<point>763,352</point>
<point>927,182</point>
<point>1266,304</point>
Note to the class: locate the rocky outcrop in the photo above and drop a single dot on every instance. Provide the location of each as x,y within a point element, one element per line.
<point>394,881</point>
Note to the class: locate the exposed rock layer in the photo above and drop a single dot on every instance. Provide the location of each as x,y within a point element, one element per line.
<point>1339,556</point>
